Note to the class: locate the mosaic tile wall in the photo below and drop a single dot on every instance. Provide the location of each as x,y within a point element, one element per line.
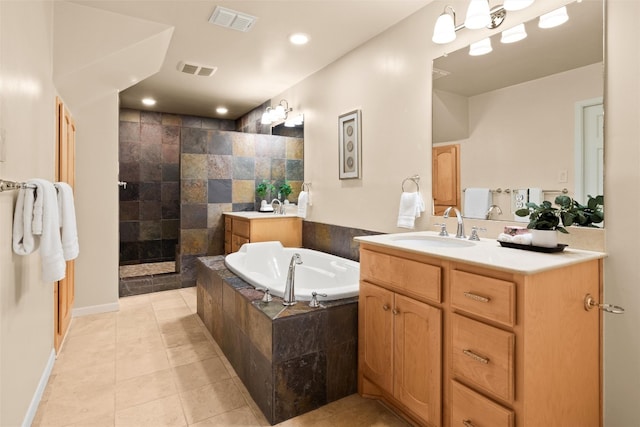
<point>150,164</point>
<point>219,173</point>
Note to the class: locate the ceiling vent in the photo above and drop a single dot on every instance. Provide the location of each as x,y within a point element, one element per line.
<point>437,73</point>
<point>231,19</point>
<point>196,69</point>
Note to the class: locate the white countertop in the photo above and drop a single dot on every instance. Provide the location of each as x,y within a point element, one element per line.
<point>486,253</point>
<point>259,215</point>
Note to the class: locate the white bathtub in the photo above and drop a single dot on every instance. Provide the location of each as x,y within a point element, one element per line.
<point>266,264</point>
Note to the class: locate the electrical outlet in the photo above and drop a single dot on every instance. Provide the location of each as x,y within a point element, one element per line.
<point>562,176</point>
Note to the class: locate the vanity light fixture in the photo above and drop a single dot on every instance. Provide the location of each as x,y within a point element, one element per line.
<point>479,15</point>
<point>294,121</point>
<point>554,18</point>
<point>480,48</point>
<point>514,34</point>
<point>276,114</point>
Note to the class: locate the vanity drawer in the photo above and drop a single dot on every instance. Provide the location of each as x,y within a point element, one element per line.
<point>241,228</point>
<point>471,409</point>
<point>490,298</point>
<point>415,277</point>
<point>484,356</point>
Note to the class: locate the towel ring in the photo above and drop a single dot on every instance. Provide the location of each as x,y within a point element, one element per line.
<point>307,185</point>
<point>415,180</point>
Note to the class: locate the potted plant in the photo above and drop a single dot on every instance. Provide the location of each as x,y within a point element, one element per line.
<point>285,189</point>
<point>264,188</point>
<point>545,219</point>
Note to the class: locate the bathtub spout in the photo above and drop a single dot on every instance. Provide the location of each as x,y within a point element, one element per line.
<point>289,297</point>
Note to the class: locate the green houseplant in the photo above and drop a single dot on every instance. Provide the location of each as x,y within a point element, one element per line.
<point>264,188</point>
<point>285,189</point>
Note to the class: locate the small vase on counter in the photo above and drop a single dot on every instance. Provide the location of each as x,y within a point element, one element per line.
<point>544,238</point>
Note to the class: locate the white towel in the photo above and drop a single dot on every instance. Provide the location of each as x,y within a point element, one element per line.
<point>303,202</point>
<point>476,202</point>
<point>53,263</point>
<point>535,195</point>
<point>411,205</point>
<point>23,239</point>
<point>67,211</point>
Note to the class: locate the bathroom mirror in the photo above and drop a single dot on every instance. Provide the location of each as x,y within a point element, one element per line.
<point>528,114</point>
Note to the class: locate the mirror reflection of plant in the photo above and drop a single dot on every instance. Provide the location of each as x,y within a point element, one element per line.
<point>547,217</point>
<point>264,188</point>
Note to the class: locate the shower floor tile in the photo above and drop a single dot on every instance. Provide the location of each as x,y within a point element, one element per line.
<point>149,269</point>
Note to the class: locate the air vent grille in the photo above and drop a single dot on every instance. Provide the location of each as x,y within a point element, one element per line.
<point>232,19</point>
<point>196,69</point>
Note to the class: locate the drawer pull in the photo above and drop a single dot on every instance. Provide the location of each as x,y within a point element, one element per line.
<point>385,307</point>
<point>467,423</point>
<point>476,357</point>
<point>476,297</point>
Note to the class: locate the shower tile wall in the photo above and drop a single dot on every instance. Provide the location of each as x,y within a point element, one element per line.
<point>219,173</point>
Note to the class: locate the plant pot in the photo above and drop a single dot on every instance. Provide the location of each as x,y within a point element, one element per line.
<point>544,238</point>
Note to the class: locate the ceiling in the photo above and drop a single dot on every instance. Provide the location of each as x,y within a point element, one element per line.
<point>576,43</point>
<point>253,66</point>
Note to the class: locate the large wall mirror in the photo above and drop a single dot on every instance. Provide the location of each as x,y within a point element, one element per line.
<point>528,115</point>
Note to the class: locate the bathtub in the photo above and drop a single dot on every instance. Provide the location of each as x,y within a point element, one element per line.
<point>266,264</point>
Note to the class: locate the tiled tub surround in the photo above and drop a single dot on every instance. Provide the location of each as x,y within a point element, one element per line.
<point>292,360</point>
<point>333,239</point>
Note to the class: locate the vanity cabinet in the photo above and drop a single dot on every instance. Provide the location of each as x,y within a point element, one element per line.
<point>445,178</point>
<point>400,337</point>
<point>241,228</point>
<point>492,347</point>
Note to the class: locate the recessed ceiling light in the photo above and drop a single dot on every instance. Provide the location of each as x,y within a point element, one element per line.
<point>299,38</point>
<point>222,110</point>
<point>148,101</point>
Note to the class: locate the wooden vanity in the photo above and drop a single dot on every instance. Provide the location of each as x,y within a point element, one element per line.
<point>482,335</point>
<point>245,227</point>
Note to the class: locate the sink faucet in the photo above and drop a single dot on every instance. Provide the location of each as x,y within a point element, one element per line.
<point>289,297</point>
<point>460,229</point>
<point>279,209</point>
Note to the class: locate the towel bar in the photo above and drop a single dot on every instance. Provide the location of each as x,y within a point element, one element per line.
<point>415,180</point>
<point>13,185</point>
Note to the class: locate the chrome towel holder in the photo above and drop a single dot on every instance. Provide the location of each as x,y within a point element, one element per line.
<point>415,179</point>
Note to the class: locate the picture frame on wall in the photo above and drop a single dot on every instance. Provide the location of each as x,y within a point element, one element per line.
<point>349,145</point>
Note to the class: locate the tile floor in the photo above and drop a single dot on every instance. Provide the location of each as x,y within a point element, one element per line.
<point>154,364</point>
<point>147,269</point>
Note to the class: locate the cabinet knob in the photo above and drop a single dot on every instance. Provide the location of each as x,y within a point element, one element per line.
<point>395,311</point>
<point>385,307</point>
<point>590,303</point>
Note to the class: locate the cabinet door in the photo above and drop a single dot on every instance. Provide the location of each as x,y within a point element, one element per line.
<point>418,358</point>
<point>446,177</point>
<point>376,335</point>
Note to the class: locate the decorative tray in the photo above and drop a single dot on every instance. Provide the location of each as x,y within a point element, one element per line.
<point>558,248</point>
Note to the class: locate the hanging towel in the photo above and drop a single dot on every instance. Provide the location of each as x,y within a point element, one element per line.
<point>535,195</point>
<point>411,205</point>
<point>67,212</point>
<point>476,202</point>
<point>53,264</point>
<point>303,202</point>
<point>23,239</point>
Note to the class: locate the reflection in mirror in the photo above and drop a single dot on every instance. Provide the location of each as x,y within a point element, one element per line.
<point>528,115</point>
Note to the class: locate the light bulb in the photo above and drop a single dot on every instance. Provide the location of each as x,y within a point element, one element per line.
<point>480,48</point>
<point>444,31</point>
<point>514,34</point>
<point>478,15</point>
<point>554,18</point>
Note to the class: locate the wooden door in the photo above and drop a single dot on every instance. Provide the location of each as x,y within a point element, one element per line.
<point>418,358</point>
<point>64,291</point>
<point>446,177</point>
<point>376,335</point>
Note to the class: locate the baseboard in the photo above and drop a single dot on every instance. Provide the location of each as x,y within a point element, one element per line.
<point>37,396</point>
<point>95,309</point>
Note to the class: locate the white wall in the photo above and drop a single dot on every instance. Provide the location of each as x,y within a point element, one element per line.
<point>622,184</point>
<point>27,118</point>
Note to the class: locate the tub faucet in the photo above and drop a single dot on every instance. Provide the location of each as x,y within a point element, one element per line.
<point>289,297</point>
<point>280,209</point>
<point>460,229</point>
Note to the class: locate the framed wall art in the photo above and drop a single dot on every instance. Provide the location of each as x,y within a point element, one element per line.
<point>349,145</point>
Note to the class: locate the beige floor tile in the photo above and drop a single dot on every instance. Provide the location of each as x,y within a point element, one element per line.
<point>92,324</point>
<point>145,388</point>
<point>134,302</point>
<point>238,417</point>
<point>192,352</point>
<point>257,413</point>
<point>131,367</point>
<point>84,380</point>
<point>180,324</point>
<point>173,313</point>
<point>76,407</point>
<point>74,342</point>
<point>158,413</point>
<point>159,296</point>
<point>71,359</point>
<point>106,420</point>
<point>189,336</point>
<point>211,400</point>
<point>227,365</point>
<point>198,374</point>
<point>138,346</point>
<point>164,304</point>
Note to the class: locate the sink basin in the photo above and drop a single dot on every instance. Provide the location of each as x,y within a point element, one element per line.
<point>420,242</point>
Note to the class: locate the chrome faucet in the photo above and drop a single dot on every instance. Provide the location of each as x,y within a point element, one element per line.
<point>280,209</point>
<point>491,209</point>
<point>460,229</point>
<point>289,297</point>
